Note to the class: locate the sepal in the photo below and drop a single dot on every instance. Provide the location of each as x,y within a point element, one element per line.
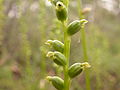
<point>56,45</point>
<point>61,11</point>
<point>57,57</point>
<point>77,68</point>
<point>76,26</point>
<point>56,81</point>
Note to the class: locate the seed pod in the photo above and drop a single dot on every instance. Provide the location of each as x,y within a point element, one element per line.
<point>56,45</point>
<point>77,68</point>
<point>61,11</point>
<point>75,26</point>
<point>57,82</point>
<point>57,57</point>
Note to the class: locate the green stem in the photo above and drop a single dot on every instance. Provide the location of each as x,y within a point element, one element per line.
<point>84,45</point>
<point>87,76</point>
<point>42,34</point>
<point>67,41</point>
<point>83,35</point>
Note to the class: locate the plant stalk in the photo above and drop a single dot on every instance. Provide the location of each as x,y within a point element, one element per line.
<point>84,46</point>
<point>87,76</point>
<point>42,34</point>
<point>67,42</point>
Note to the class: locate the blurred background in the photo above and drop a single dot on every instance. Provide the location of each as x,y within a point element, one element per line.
<point>26,24</point>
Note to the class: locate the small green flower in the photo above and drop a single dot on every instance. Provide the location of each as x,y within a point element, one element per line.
<point>57,82</point>
<point>57,57</point>
<point>56,45</point>
<point>61,11</point>
<point>77,68</point>
<point>75,26</point>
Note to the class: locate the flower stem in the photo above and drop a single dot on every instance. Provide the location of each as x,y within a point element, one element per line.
<point>87,76</point>
<point>67,41</point>
<point>42,36</point>
<point>83,35</point>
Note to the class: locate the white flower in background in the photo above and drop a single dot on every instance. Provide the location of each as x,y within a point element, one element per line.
<point>34,6</point>
<point>110,5</point>
<point>47,3</point>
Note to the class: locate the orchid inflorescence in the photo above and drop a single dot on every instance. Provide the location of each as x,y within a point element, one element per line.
<point>60,53</point>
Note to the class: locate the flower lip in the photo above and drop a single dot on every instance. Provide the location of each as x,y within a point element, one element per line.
<point>60,6</point>
<point>85,65</point>
<point>50,54</point>
<point>48,42</point>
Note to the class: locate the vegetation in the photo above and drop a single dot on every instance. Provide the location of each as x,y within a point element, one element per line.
<point>32,29</point>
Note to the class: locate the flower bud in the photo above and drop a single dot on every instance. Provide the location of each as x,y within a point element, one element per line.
<point>75,26</point>
<point>57,57</point>
<point>57,82</point>
<point>77,68</point>
<point>61,11</point>
<point>56,45</point>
